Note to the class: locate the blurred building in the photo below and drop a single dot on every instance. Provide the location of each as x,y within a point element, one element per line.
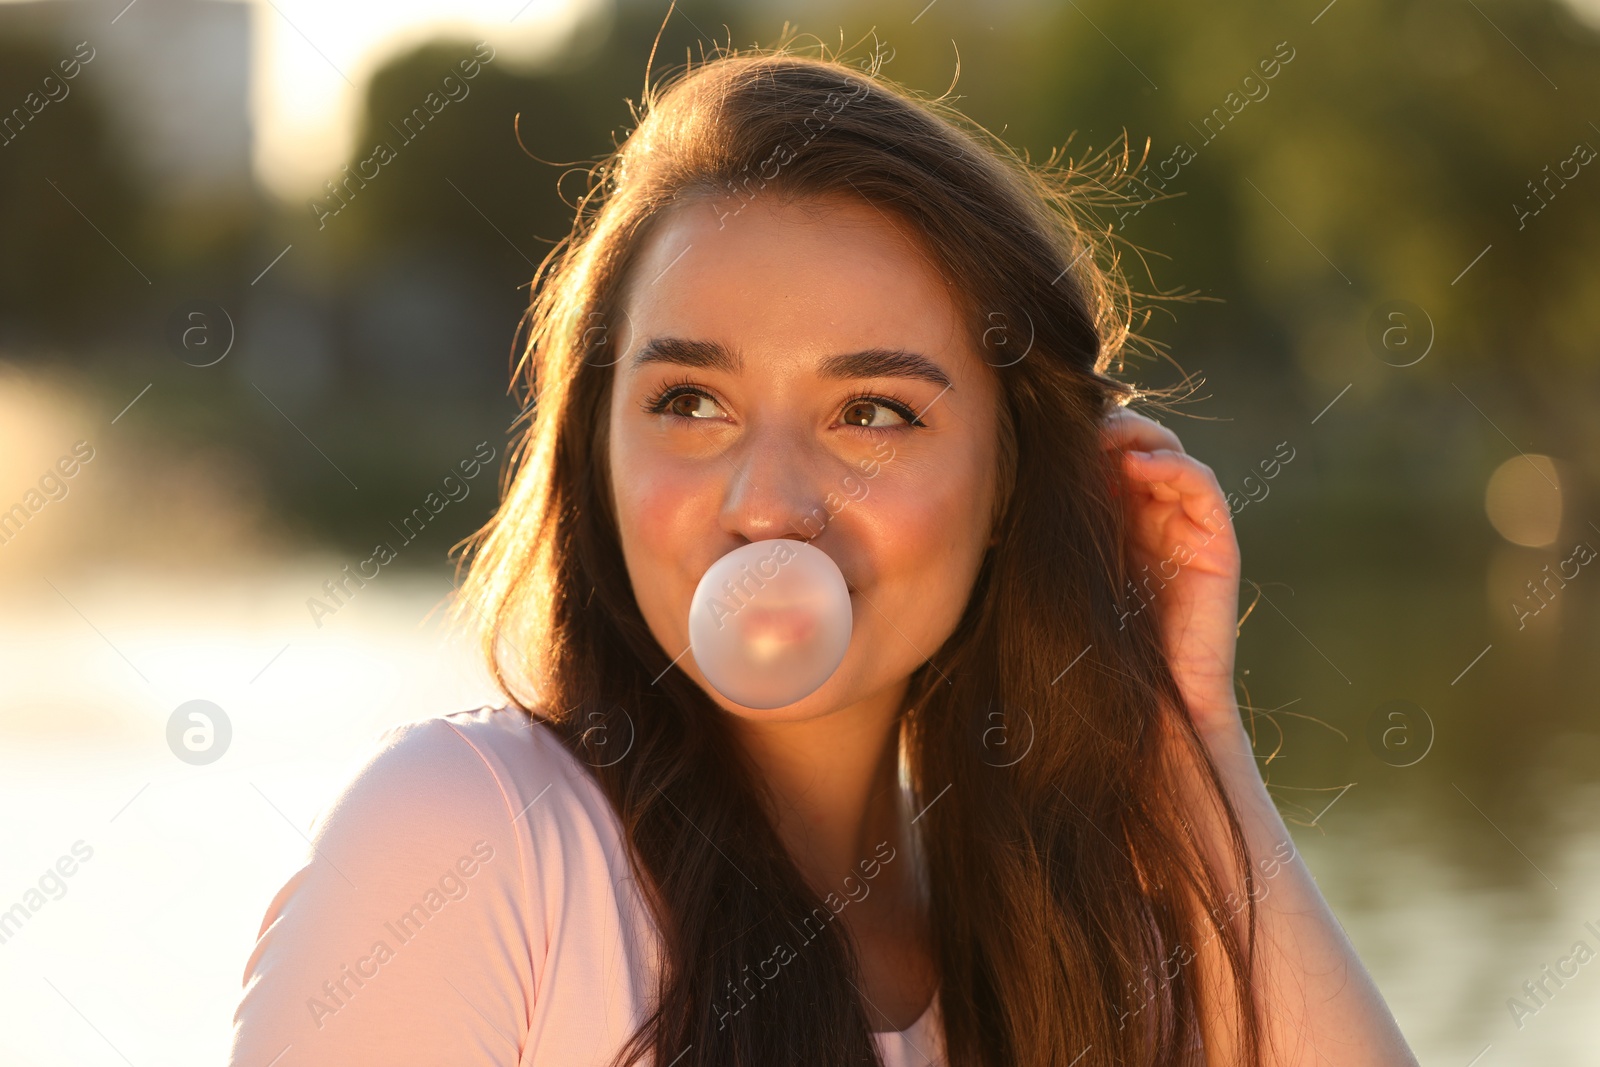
<point>173,75</point>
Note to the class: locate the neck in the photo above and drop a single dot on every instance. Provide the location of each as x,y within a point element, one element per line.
<point>835,783</point>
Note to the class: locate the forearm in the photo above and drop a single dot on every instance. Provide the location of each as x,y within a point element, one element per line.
<point>1320,1005</point>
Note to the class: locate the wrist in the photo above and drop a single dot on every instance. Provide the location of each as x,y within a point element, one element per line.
<point>1215,714</point>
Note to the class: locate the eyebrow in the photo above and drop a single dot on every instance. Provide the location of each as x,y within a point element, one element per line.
<point>868,363</point>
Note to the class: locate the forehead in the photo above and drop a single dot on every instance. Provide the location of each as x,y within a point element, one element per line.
<point>828,275</point>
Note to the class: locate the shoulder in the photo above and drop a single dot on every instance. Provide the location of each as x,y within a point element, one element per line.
<point>520,768</point>
<point>443,782</point>
<point>498,779</point>
<point>474,754</point>
<point>416,926</point>
<point>492,741</point>
<point>490,769</point>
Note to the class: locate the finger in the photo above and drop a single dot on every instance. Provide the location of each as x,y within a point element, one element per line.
<point>1170,475</point>
<point>1194,483</point>
<point>1128,429</point>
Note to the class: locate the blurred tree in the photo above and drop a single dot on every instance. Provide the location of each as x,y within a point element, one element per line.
<point>67,195</point>
<point>1317,161</point>
<point>1396,145</point>
<point>1385,151</point>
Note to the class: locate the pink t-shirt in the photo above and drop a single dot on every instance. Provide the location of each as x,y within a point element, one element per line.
<point>466,900</point>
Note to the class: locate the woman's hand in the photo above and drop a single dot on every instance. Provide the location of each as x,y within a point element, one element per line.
<point>1186,562</point>
<point>1321,1004</point>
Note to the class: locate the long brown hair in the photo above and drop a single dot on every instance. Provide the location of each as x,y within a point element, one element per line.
<point>1061,883</point>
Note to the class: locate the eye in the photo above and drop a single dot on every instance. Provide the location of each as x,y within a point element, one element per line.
<point>680,400</point>
<point>868,413</point>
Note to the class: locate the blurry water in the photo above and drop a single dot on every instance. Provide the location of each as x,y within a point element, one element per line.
<point>139,959</point>
<point>1462,856</point>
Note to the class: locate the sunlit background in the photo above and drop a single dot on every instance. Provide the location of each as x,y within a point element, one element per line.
<point>221,385</point>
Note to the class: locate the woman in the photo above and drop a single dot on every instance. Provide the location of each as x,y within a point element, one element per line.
<point>1021,823</point>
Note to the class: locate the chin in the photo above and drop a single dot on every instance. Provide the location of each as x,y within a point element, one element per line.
<point>839,691</point>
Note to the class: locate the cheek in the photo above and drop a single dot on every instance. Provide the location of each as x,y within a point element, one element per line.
<point>912,529</point>
<point>929,518</point>
<point>663,509</point>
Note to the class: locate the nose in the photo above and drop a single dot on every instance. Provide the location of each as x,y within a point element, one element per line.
<point>775,489</point>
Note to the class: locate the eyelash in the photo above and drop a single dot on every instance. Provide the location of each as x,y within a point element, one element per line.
<point>657,405</point>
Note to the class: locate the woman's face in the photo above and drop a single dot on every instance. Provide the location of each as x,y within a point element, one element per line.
<point>799,371</point>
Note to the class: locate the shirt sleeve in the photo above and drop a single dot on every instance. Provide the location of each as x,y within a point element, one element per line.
<point>404,938</point>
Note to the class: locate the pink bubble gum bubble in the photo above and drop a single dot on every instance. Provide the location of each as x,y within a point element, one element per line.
<point>770,622</point>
